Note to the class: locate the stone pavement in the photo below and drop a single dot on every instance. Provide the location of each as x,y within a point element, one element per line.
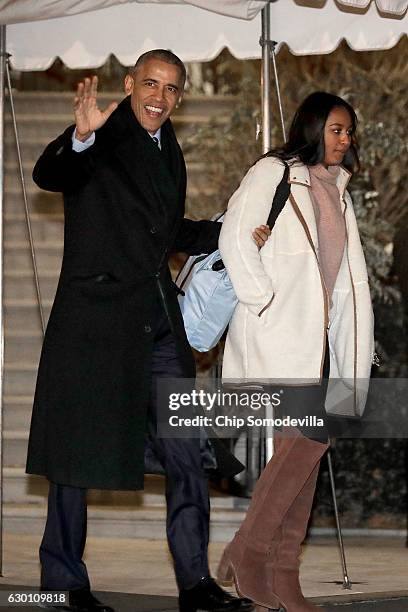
<point>124,569</point>
<point>129,602</point>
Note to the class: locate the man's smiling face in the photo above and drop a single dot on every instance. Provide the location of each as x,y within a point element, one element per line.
<point>155,89</point>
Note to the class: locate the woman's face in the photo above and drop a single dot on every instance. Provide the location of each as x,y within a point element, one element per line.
<point>338,132</point>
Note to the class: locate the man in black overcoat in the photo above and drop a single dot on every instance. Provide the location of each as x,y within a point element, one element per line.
<point>116,328</point>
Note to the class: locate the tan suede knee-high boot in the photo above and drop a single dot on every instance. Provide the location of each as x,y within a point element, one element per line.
<point>283,565</point>
<point>252,559</point>
<point>283,569</point>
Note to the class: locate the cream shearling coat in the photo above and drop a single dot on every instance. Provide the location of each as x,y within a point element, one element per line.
<point>278,330</point>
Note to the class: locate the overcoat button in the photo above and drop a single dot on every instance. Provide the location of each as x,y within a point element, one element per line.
<point>147,329</point>
<point>153,230</point>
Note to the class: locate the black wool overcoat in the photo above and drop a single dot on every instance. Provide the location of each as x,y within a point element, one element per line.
<point>124,208</point>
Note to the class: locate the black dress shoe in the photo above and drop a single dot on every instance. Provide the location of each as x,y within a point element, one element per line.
<point>208,596</point>
<point>82,600</point>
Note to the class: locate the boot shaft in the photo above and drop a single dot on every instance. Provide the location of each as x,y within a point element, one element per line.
<point>280,483</point>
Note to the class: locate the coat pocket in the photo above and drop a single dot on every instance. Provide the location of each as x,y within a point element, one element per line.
<point>261,315</point>
<point>102,285</point>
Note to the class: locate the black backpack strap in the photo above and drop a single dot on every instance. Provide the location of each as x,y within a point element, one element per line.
<point>279,200</point>
<point>281,195</point>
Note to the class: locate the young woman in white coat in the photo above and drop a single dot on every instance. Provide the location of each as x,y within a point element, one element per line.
<point>304,316</point>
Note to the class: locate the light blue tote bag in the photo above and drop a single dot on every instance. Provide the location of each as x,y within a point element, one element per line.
<point>209,299</point>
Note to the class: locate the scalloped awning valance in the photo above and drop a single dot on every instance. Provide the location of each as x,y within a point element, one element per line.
<point>390,7</point>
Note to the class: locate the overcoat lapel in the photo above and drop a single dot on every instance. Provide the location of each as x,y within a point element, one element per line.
<point>303,199</point>
<point>174,161</point>
<point>299,179</point>
<point>145,165</point>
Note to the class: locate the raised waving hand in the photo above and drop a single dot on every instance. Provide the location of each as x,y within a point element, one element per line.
<point>88,117</point>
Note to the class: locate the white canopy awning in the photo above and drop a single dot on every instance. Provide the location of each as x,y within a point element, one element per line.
<point>18,11</point>
<point>127,29</point>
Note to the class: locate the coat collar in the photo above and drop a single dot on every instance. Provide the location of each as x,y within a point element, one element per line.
<point>144,164</point>
<point>299,175</point>
<point>299,178</point>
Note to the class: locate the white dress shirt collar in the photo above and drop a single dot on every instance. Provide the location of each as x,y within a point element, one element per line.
<point>157,135</point>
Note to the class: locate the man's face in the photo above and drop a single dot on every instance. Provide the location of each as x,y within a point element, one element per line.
<point>155,88</point>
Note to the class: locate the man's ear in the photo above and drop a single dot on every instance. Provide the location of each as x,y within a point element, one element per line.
<point>129,82</point>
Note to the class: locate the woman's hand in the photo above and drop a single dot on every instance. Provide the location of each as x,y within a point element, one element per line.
<point>88,117</point>
<point>260,235</point>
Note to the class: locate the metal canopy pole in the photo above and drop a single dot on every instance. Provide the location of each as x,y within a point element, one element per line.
<point>266,44</point>
<point>24,190</point>
<point>278,93</point>
<point>3,60</point>
<point>268,56</point>
<point>346,580</point>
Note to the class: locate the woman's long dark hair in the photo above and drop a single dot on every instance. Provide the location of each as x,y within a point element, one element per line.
<point>306,134</point>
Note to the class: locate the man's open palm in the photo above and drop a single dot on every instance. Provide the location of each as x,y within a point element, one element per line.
<point>88,117</point>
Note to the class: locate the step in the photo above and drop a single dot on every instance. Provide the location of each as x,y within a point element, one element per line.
<point>44,103</point>
<point>21,488</point>
<point>17,255</point>
<point>17,412</point>
<point>40,202</point>
<point>20,378</point>
<point>15,448</point>
<point>20,284</point>
<point>127,522</point>
<point>24,314</point>
<point>50,125</point>
<point>110,513</point>
<point>31,148</point>
<point>44,227</point>
<point>21,346</point>
<point>12,178</point>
